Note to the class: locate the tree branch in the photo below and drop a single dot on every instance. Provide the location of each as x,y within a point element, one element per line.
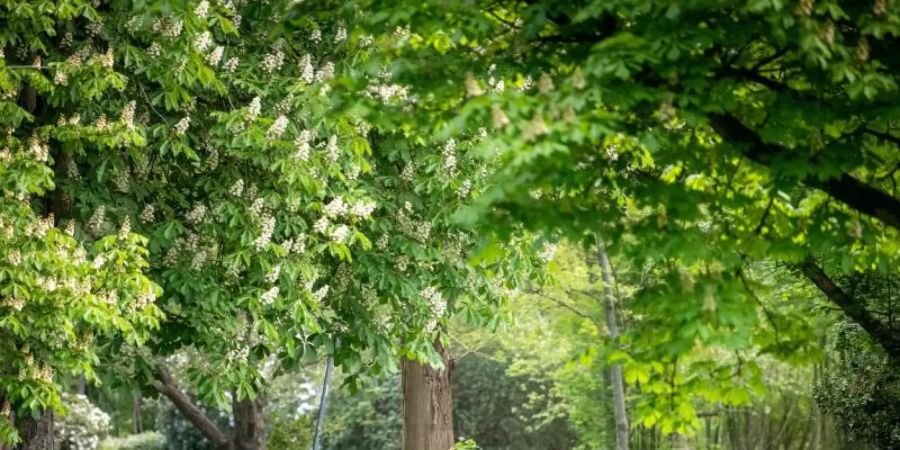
<point>844,188</point>
<point>168,387</point>
<point>853,308</point>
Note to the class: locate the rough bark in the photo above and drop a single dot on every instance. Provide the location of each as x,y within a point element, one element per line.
<point>853,308</point>
<point>618,385</point>
<point>427,404</point>
<point>36,433</point>
<point>249,424</point>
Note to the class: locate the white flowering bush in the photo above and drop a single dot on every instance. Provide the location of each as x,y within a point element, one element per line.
<point>82,426</point>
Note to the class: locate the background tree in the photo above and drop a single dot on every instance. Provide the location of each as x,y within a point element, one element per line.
<point>68,288</point>
<point>700,138</point>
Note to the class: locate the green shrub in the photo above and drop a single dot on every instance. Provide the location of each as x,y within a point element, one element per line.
<point>145,441</point>
<point>285,433</point>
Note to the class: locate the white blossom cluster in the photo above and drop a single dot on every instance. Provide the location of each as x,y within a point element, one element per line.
<point>197,215</point>
<point>326,72</point>
<point>450,157</point>
<point>127,116</point>
<point>237,189</point>
<point>408,173</point>
<point>418,230</point>
<point>182,125</point>
<point>268,297</point>
<point>202,10</point>
<point>320,294</point>
<point>340,234</point>
<point>39,150</point>
<point>362,209</point>
<point>335,208</point>
<point>272,275</point>
<point>332,152</point>
<point>97,223</point>
<point>302,145</point>
<point>215,56</point>
<point>307,71</point>
<point>464,188</point>
<point>296,245</point>
<point>107,59</point>
<point>272,62</point>
<point>277,128</point>
<point>231,64</point>
<point>322,225</point>
<point>122,181</point>
<point>436,303</point>
<point>168,26</point>
<point>388,92</point>
<point>548,251</point>
<point>265,235</point>
<point>612,152</point>
<point>125,228</point>
<point>473,88</point>
<point>254,109</point>
<point>340,35</point>
<point>498,117</point>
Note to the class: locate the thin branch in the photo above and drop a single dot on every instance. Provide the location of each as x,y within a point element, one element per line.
<point>765,215</point>
<point>569,307</point>
<point>778,54</point>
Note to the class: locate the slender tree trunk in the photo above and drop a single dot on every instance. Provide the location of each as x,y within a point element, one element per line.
<point>137,413</point>
<point>427,405</point>
<point>36,433</point>
<point>249,424</point>
<point>81,385</point>
<point>618,385</point>
<point>323,402</point>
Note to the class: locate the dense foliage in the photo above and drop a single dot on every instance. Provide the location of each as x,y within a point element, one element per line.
<point>227,190</point>
<point>707,141</point>
<point>254,191</point>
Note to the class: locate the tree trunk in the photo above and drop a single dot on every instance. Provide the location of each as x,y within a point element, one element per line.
<point>618,386</point>
<point>249,424</point>
<point>323,403</point>
<point>427,404</point>
<point>169,388</point>
<point>137,413</point>
<point>36,433</point>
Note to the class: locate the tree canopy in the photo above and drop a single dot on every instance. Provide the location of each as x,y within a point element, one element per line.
<point>259,183</point>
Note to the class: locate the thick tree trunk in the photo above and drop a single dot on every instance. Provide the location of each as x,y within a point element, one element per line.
<point>427,405</point>
<point>618,386</point>
<point>36,433</point>
<point>249,424</point>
